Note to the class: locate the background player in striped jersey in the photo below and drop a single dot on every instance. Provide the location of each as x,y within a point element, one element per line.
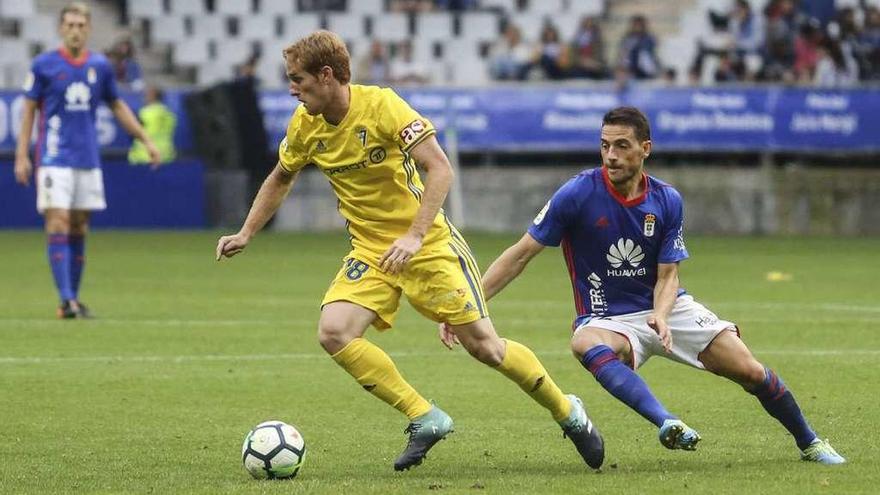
<point>369,142</point>
<point>67,85</point>
<point>621,235</point>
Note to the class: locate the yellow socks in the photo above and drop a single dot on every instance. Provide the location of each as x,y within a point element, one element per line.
<point>522,366</point>
<point>375,371</point>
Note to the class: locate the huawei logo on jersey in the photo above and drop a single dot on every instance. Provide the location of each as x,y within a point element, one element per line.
<point>625,251</point>
<point>77,97</point>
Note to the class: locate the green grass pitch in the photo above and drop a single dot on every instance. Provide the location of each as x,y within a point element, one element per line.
<point>156,395</point>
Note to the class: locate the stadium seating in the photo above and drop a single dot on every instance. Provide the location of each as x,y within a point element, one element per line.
<point>209,43</point>
<point>17,9</point>
<point>434,26</point>
<point>391,27</point>
<point>145,9</point>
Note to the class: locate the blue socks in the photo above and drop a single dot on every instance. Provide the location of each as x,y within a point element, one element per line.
<point>77,261</point>
<point>780,403</point>
<point>623,383</point>
<point>66,259</point>
<point>629,388</point>
<point>58,251</point>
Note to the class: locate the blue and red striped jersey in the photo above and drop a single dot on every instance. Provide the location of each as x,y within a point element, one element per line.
<point>68,92</point>
<point>612,245</point>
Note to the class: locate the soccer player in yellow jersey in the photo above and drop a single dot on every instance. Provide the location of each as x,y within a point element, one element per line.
<point>368,142</point>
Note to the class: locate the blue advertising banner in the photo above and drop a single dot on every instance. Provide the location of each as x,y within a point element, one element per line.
<point>828,120</point>
<point>172,196</point>
<point>568,118</point>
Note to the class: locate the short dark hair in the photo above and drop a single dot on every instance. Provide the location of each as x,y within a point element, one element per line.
<point>630,117</point>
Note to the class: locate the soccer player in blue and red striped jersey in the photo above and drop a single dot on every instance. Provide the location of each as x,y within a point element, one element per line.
<point>67,85</point>
<point>621,235</point>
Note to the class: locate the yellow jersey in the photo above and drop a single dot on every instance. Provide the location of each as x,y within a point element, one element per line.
<point>366,159</point>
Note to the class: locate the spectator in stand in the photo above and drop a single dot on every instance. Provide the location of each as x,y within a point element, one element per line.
<point>717,43</point>
<point>588,51</point>
<point>781,31</point>
<point>869,40</point>
<point>510,56</point>
<point>638,50</point>
<point>126,69</point>
<point>806,50</point>
<point>747,28</point>
<point>748,31</point>
<point>845,29</point>
<point>405,69</point>
<point>551,54</point>
<point>833,68</point>
<point>728,70</point>
<point>373,68</point>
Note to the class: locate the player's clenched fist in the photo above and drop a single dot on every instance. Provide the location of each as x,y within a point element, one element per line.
<point>230,245</point>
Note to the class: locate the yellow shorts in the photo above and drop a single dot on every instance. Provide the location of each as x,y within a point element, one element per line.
<point>442,283</point>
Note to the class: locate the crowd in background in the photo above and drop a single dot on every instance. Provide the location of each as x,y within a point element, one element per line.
<point>806,43</point>
<point>788,41</point>
<point>414,6</point>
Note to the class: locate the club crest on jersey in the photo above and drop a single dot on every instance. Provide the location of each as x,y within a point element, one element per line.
<point>362,136</point>
<point>650,220</point>
<point>77,96</point>
<point>321,147</point>
<point>92,76</point>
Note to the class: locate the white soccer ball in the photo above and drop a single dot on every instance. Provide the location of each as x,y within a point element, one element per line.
<point>273,449</point>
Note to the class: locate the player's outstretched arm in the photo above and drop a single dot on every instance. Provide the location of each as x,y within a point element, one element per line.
<point>23,165</point>
<point>130,123</point>
<point>430,157</point>
<point>510,264</point>
<point>665,293</point>
<point>275,188</point>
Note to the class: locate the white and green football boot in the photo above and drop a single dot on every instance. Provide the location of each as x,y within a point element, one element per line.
<point>424,432</point>
<point>822,452</point>
<point>583,433</point>
<point>674,434</point>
